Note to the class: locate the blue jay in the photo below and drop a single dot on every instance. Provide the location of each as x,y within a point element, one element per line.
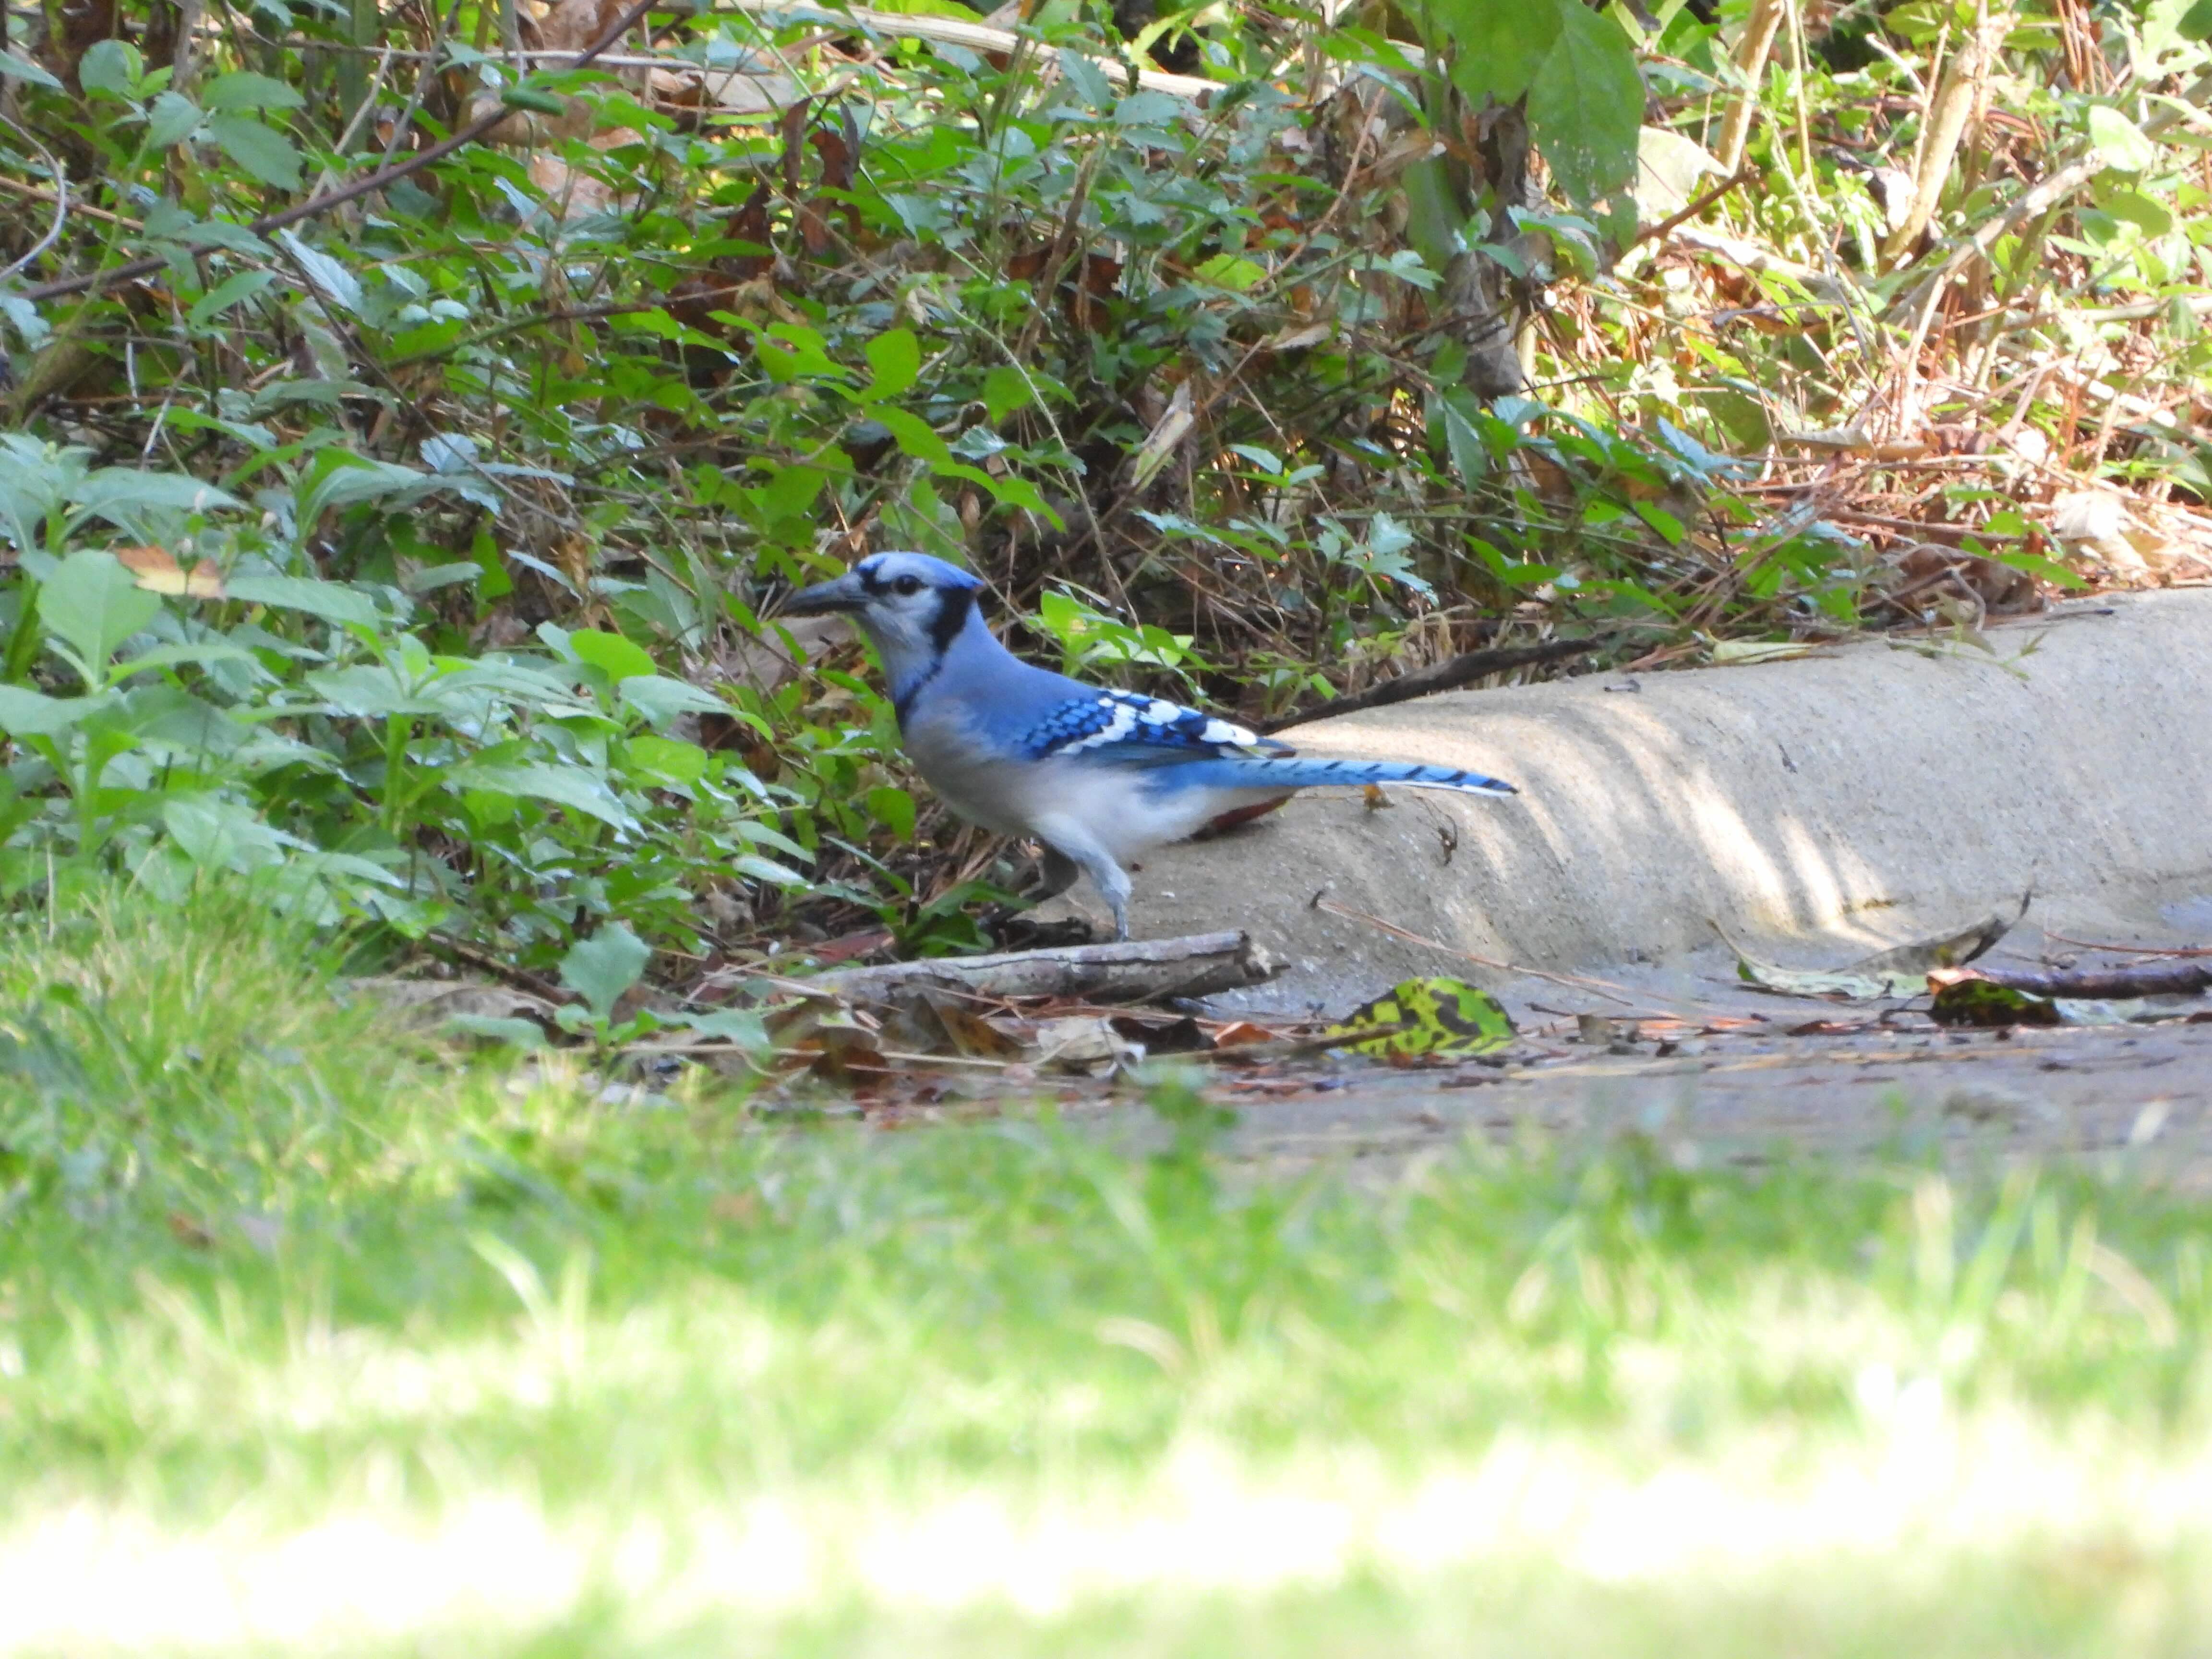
<point>1096,775</point>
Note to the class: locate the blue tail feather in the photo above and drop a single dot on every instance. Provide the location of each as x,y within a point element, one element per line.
<point>1297,772</point>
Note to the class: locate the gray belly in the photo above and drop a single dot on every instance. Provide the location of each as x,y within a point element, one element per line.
<point>982,794</point>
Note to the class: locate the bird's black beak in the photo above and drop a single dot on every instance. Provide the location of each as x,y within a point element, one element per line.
<point>840,597</point>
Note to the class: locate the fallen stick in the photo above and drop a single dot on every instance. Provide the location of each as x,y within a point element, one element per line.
<point>2163,979</point>
<point>2131,950</point>
<point>1260,1053</point>
<point>1132,970</point>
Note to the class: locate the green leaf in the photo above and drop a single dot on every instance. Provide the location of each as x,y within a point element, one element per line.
<point>2119,143</point>
<point>335,283</point>
<point>667,757</point>
<point>618,659</point>
<point>1006,389</point>
<point>893,808</point>
<point>171,121</point>
<point>173,656</point>
<point>2146,213</point>
<point>244,89</point>
<point>1433,1015</point>
<point>119,493</point>
<point>1231,272</point>
<point>1148,109</point>
<point>1586,104</point>
<point>660,699</point>
<point>238,286</point>
<point>2195,23</point>
<point>340,479</point>
<point>914,436</point>
<point>1470,456</point>
<point>92,604</point>
<point>895,357</point>
<point>23,69</point>
<point>267,154</point>
<point>532,98</point>
<point>766,870</point>
<point>113,67</point>
<point>332,601</point>
<point>601,968</point>
<point>26,713</point>
<point>24,318</point>
<point>1502,44</point>
<point>572,787</point>
<point>740,1026</point>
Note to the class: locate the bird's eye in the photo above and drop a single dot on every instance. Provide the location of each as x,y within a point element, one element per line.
<point>906,584</point>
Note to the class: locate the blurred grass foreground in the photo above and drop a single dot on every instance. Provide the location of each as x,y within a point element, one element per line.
<point>316,1338</point>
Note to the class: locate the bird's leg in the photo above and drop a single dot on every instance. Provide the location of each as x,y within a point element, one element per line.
<point>1073,847</point>
<point>1056,875</point>
<point>1112,882</point>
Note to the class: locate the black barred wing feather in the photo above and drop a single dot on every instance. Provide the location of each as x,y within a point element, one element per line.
<point>1129,728</point>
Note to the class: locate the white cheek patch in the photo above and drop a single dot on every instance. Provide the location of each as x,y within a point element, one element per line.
<point>1221,732</point>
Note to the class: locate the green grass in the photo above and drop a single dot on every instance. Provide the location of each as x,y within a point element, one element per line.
<point>319,1338</point>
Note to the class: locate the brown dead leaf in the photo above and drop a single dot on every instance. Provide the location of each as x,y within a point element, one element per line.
<point>1927,571</point>
<point>974,1036</point>
<point>157,571</point>
<point>1176,1037</point>
<point>1085,1045</point>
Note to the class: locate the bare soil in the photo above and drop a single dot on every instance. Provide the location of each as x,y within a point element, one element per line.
<point>2143,1092</point>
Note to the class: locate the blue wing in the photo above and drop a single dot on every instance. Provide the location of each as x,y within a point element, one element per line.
<point>1128,728</point>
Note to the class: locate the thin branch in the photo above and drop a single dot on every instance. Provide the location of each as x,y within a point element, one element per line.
<point>32,193</point>
<point>1650,232</point>
<point>60,199</point>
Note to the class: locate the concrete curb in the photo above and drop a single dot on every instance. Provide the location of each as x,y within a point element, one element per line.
<point>1818,806</point>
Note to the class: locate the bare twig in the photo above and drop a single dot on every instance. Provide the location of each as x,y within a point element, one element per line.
<point>1695,207</point>
<point>32,193</point>
<point>61,200</point>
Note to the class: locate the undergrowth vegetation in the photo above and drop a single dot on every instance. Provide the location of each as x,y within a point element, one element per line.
<point>399,523</point>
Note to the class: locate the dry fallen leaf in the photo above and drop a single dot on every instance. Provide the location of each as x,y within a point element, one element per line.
<point>157,571</point>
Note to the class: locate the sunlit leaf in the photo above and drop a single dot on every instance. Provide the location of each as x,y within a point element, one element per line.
<point>616,657</point>
<point>91,604</point>
<point>601,968</point>
<point>895,357</point>
<point>243,89</point>
<point>1586,104</point>
<point>268,155</point>
<point>112,67</point>
<point>156,570</point>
